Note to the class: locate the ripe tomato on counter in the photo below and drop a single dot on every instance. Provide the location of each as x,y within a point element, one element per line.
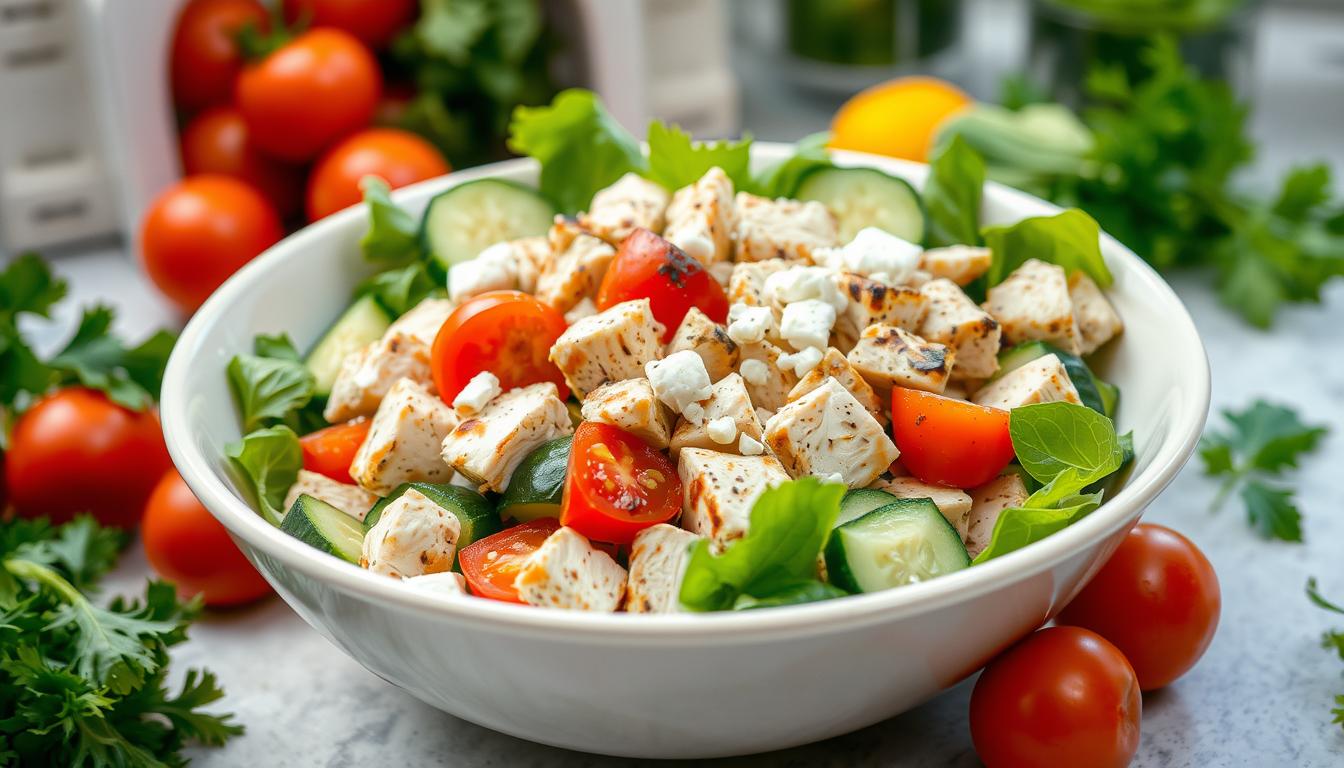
<point>398,157</point>
<point>205,58</point>
<point>374,22</point>
<point>216,142</point>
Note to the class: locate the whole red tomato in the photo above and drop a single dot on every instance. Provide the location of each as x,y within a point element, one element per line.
<point>76,451</point>
<point>398,157</point>
<point>200,231</point>
<point>308,94</point>
<point>374,22</point>
<point>1063,696</point>
<point>205,60</point>
<point>1157,600</point>
<point>188,546</point>
<point>216,142</point>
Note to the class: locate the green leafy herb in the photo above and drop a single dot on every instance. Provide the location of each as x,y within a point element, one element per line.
<point>580,146</point>
<point>268,461</point>
<point>1260,442</point>
<point>783,178</point>
<point>676,161</point>
<point>1331,640</point>
<point>393,234</point>
<point>777,558</point>
<point>398,290</point>
<point>274,386</point>
<point>952,195</point>
<point>1070,239</point>
<point>806,591</point>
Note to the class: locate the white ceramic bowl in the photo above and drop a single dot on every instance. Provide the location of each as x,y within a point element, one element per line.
<point>672,685</point>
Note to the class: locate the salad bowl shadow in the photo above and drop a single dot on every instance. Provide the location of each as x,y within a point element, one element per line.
<point>676,685</point>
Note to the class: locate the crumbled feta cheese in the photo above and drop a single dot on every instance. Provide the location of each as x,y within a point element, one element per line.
<point>493,269</point>
<point>722,430</point>
<point>877,255</point>
<point>585,308</point>
<point>834,477</point>
<point>748,324</point>
<point>482,388</point>
<point>697,244</point>
<point>754,371</point>
<point>807,323</point>
<point>801,283</point>
<point>681,381</point>
<point>802,362</point>
<point>749,446</point>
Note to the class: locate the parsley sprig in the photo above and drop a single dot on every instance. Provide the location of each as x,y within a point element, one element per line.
<point>1331,640</point>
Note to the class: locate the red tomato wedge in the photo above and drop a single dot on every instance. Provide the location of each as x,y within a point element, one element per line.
<point>617,485</point>
<point>647,266</point>
<point>949,442</point>
<point>491,564</point>
<point>508,333</point>
<point>330,451</point>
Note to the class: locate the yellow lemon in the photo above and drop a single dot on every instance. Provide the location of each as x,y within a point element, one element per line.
<point>896,118</point>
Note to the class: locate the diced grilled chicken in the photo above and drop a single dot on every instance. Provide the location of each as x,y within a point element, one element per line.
<point>700,218</point>
<point>720,490</point>
<point>1097,320</point>
<point>657,562</point>
<point>874,303</point>
<point>953,319</point>
<point>747,284</point>
<point>728,415</point>
<point>827,432</point>
<point>782,229</point>
<point>575,272</point>
<point>414,536</point>
<point>632,202</point>
<point>403,441</point>
<point>487,448</point>
<point>350,499</point>
<point>531,253</point>
<point>961,264</point>
<point>632,406</point>
<point>612,345</point>
<point>567,572</point>
<point>767,381</point>
<point>403,352</point>
<point>707,339</point>
<point>1042,380</point>
<point>954,503</point>
<point>987,503</point>
<point>887,356</point>
<point>1033,304</point>
<point>834,365</point>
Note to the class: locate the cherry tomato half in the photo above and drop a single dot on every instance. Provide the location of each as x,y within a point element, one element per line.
<point>189,547</point>
<point>508,333</point>
<point>617,485</point>
<point>330,451</point>
<point>949,442</point>
<point>205,59</point>
<point>1157,599</point>
<point>398,157</point>
<point>1063,696</point>
<point>491,564</point>
<point>374,22</point>
<point>647,266</point>
<point>216,142</point>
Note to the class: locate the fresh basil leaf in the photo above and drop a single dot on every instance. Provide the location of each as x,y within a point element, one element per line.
<point>676,161</point>
<point>580,146</point>
<point>1019,526</point>
<point>952,195</point>
<point>393,234</point>
<point>268,461</point>
<point>1064,445</point>
<point>271,386</point>
<point>789,525</point>
<point>398,290</point>
<point>782,179</point>
<point>1070,239</point>
<point>809,591</point>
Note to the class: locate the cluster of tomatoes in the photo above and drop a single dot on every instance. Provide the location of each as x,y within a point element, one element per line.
<point>278,126</point>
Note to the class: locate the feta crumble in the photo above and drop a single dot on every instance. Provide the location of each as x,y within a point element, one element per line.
<point>807,323</point>
<point>754,371</point>
<point>802,362</point>
<point>493,269</point>
<point>802,283</point>
<point>749,446</point>
<point>681,381</point>
<point>722,430</point>
<point>473,398</point>
<point>748,324</point>
<point>877,255</point>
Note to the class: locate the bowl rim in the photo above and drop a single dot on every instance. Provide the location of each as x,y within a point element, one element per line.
<point>1177,446</point>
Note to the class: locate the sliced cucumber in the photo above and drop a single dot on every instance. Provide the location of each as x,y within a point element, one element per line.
<point>1086,382</point>
<point>866,197</point>
<point>860,502</point>
<point>318,524</point>
<point>475,514</point>
<point>362,322</point>
<point>538,484</point>
<point>905,542</point>
<point>471,217</point>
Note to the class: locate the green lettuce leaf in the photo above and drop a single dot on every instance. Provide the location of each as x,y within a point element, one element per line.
<point>273,385</point>
<point>782,179</point>
<point>393,236</point>
<point>1070,239</point>
<point>1019,526</point>
<point>676,160</point>
<point>809,591</point>
<point>952,195</point>
<point>398,290</point>
<point>268,461</point>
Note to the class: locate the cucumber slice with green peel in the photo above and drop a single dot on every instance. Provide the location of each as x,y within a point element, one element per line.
<point>363,322</point>
<point>861,501</point>
<point>538,484</point>
<point>905,542</point>
<point>1086,382</point>
<point>324,527</point>
<point>476,515</point>
<point>866,197</point>
<point>465,220</point>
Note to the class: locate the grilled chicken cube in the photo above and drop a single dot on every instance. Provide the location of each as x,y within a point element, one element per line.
<point>1042,380</point>
<point>782,228</point>
<point>961,264</point>
<point>987,503</point>
<point>827,432</point>
<point>632,406</point>
<point>887,356</point>
<point>953,319</point>
<point>403,441</point>
<point>747,284</point>
<point>612,345</point>
<point>632,202</point>
<point>568,572</point>
<point>728,415</point>
<point>873,303</point>
<point>1097,320</point>
<point>531,253</point>
<point>720,490</point>
<point>1033,304</point>
<point>574,272</point>
<point>413,537</point>
<point>657,562</point>
<point>954,503</point>
<point>700,218</point>
<point>487,448</point>
<point>768,382</point>
<point>834,365</point>
<point>403,352</point>
<point>707,339</point>
<point>350,499</point>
